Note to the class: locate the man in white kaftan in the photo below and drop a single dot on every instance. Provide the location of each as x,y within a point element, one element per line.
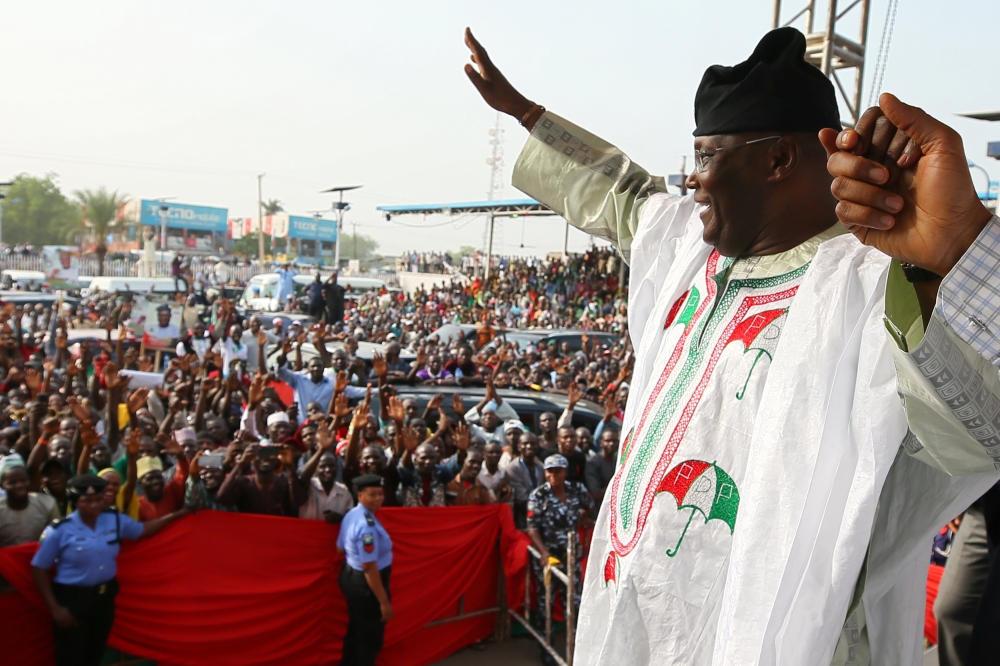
<point>775,499</point>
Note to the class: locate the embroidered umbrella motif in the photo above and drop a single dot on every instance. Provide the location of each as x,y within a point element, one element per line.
<point>702,487</point>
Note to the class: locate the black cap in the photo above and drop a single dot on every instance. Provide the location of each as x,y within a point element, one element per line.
<point>367,481</point>
<point>87,484</point>
<point>774,90</point>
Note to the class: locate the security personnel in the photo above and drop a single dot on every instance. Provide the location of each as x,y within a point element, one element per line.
<point>364,580</point>
<point>83,548</point>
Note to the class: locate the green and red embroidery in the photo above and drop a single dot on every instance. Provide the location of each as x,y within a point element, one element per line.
<point>757,332</point>
<point>704,488</point>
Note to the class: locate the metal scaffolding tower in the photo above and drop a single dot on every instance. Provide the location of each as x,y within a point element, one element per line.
<point>831,51</point>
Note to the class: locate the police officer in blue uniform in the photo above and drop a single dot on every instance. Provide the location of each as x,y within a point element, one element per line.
<point>83,548</point>
<point>364,580</point>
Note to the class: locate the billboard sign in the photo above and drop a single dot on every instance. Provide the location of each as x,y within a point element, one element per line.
<point>183,216</point>
<point>311,228</point>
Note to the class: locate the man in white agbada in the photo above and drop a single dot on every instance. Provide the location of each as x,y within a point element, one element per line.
<point>802,416</point>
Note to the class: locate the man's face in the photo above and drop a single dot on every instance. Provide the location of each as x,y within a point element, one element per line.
<point>265,464</point>
<point>473,464</point>
<point>316,370</point>
<point>370,433</point>
<point>254,324</point>
<point>152,485</point>
<point>326,472</point>
<point>609,443</point>
<point>218,430</point>
<point>434,364</point>
<point>100,457</point>
<point>61,449</point>
<point>308,435</point>
<point>190,449</point>
<point>425,459</point>
<point>199,330</point>
<point>513,438</point>
<point>731,189</point>
<point>412,408</point>
<point>547,422</point>
<point>212,478</point>
<point>492,454</point>
<point>67,427</point>
<point>339,360</point>
<point>279,432</point>
<point>55,481</point>
<point>529,446</point>
<point>566,440</point>
<point>556,476</point>
<point>464,355</point>
<point>351,345</point>
<point>314,412</point>
<point>163,317</point>
<point>15,483</point>
<point>372,460</point>
<point>584,439</point>
<point>490,420</point>
<point>235,332</point>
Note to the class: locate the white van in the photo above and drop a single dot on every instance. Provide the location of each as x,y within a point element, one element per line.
<point>137,285</point>
<point>25,280</point>
<point>260,291</point>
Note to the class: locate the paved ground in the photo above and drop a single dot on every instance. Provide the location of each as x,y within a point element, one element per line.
<point>521,651</point>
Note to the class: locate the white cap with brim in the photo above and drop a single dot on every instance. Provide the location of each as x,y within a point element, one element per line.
<point>277,417</point>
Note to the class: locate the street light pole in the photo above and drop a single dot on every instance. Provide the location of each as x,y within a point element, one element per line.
<point>340,206</point>
<point>260,222</point>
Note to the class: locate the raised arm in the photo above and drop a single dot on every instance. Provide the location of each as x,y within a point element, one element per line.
<point>592,184</point>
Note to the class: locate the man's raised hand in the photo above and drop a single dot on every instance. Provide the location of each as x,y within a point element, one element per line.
<point>931,214</point>
<point>491,84</point>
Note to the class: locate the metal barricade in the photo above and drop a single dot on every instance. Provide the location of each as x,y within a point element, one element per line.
<point>569,608</point>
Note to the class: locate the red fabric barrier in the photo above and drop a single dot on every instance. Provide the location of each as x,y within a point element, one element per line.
<point>242,589</point>
<point>934,574</point>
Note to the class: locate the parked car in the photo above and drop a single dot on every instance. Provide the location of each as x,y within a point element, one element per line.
<point>260,291</point>
<point>32,298</point>
<point>26,280</point>
<point>137,285</point>
<point>529,405</point>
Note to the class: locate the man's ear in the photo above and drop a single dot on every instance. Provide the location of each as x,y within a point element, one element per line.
<point>785,156</point>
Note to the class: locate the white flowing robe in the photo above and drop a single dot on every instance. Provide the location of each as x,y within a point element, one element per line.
<point>764,510</point>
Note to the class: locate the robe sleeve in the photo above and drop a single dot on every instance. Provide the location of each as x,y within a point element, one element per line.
<point>592,184</point>
<point>947,374</point>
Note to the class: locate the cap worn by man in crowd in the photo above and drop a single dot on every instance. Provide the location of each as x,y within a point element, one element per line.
<point>556,461</point>
<point>513,424</point>
<point>277,417</point>
<point>163,308</point>
<point>87,484</point>
<point>186,435</point>
<point>774,90</point>
<point>9,461</point>
<point>391,336</point>
<point>367,481</point>
<point>144,466</point>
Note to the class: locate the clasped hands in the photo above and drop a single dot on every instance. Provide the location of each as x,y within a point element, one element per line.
<point>904,187</point>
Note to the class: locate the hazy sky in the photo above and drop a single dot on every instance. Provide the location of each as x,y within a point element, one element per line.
<point>192,99</point>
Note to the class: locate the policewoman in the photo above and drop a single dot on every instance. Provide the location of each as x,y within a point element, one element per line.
<point>364,580</point>
<point>83,549</point>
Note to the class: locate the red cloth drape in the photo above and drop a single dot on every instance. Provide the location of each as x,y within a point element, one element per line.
<point>229,588</point>
<point>934,573</point>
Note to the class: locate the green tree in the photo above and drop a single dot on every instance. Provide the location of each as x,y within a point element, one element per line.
<point>35,211</point>
<point>273,207</point>
<point>247,246</point>
<point>357,246</point>
<point>99,208</point>
<point>465,250</point>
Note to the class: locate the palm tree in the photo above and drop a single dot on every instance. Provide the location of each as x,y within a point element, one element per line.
<point>99,208</point>
<point>273,207</point>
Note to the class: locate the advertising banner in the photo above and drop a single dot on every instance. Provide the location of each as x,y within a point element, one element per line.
<point>183,216</point>
<point>236,228</point>
<point>311,228</point>
<point>62,265</point>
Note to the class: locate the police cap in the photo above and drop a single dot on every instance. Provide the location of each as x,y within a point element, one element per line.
<point>367,481</point>
<point>87,484</point>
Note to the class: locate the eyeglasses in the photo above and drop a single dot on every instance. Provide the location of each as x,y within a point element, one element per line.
<point>701,157</point>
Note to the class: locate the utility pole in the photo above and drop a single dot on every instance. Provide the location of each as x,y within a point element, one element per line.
<point>340,206</point>
<point>260,222</point>
<point>829,50</point>
<point>354,231</point>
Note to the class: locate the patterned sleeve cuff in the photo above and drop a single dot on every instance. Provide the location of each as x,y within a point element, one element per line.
<point>969,296</point>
